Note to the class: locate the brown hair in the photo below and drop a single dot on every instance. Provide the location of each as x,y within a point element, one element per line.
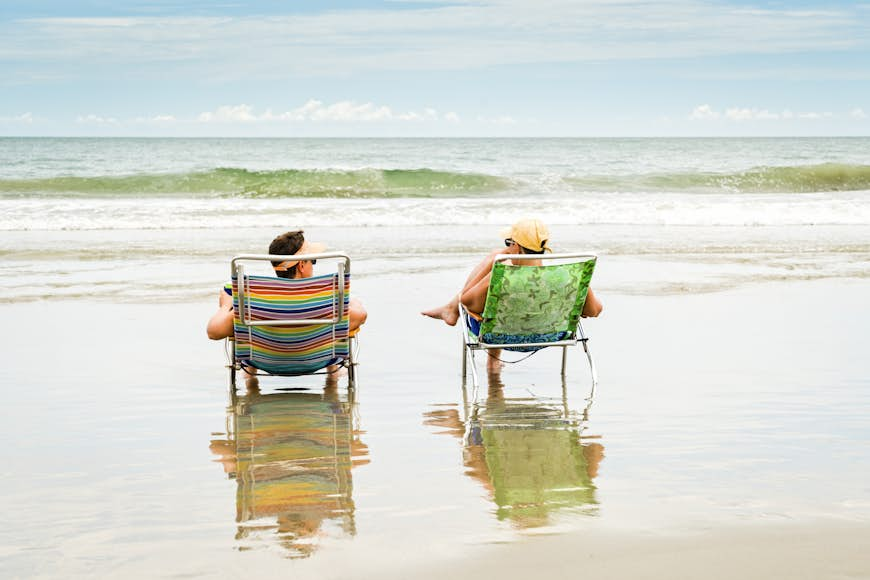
<point>287,243</point>
<point>525,250</point>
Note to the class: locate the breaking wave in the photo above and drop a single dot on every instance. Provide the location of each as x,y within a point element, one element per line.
<point>236,182</point>
<point>788,179</point>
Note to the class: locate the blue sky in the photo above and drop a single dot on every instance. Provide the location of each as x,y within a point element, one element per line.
<point>433,68</point>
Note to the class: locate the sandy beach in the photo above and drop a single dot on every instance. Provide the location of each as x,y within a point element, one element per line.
<point>726,439</point>
<point>815,550</point>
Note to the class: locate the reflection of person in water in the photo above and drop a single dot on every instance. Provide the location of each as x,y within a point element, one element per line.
<point>291,455</point>
<point>525,455</point>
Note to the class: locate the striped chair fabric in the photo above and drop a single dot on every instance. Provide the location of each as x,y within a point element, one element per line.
<point>291,350</point>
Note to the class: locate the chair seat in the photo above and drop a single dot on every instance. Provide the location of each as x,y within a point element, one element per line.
<point>494,338</point>
<point>290,370</point>
<point>473,325</point>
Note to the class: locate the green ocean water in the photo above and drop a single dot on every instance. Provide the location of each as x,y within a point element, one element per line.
<point>105,184</point>
<point>362,183</point>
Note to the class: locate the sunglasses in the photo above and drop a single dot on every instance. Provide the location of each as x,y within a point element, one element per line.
<point>313,262</point>
<point>509,242</point>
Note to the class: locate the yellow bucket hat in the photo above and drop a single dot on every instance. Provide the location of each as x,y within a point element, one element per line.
<point>531,234</point>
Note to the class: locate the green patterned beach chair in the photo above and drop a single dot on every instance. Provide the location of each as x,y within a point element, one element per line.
<point>290,327</point>
<point>531,307</point>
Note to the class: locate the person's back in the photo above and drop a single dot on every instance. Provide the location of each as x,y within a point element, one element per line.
<point>287,244</point>
<point>527,236</point>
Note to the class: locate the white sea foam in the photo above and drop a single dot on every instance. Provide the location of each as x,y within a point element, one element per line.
<point>852,208</point>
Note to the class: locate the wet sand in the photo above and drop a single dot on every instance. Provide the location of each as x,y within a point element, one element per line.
<point>730,425</point>
<point>751,551</point>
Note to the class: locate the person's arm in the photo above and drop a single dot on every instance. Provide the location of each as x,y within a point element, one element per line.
<point>473,295</point>
<point>356,314</point>
<point>593,305</point>
<point>221,323</point>
<point>484,267</point>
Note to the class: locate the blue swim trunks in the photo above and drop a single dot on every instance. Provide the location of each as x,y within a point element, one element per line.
<point>473,323</point>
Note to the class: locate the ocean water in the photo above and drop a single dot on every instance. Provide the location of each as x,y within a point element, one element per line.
<point>116,209</point>
<point>731,353</point>
<point>80,184</point>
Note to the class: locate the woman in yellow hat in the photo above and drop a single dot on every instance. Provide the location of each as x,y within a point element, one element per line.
<point>527,236</point>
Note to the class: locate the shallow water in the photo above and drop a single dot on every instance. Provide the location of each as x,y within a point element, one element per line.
<point>143,465</point>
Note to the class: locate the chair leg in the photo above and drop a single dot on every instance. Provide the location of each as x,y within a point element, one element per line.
<point>592,369</point>
<point>474,380</point>
<point>566,410</point>
<point>229,350</point>
<point>351,376</point>
<point>351,367</point>
<point>464,360</point>
<point>564,359</point>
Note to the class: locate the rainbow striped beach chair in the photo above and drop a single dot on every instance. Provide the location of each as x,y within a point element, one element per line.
<point>290,327</point>
<point>531,307</point>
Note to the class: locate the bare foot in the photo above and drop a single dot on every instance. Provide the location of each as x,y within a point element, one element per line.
<point>449,313</point>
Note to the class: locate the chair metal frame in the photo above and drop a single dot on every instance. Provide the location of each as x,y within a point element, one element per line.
<point>237,270</point>
<point>472,406</point>
<point>471,343</point>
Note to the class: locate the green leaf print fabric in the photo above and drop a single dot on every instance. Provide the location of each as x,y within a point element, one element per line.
<point>534,303</point>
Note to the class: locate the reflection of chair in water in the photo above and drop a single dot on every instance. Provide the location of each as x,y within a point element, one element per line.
<point>291,455</point>
<point>528,453</point>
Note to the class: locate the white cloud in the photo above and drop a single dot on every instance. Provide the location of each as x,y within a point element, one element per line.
<point>502,120</point>
<point>311,112</point>
<point>316,111</point>
<point>456,35</point>
<point>25,118</point>
<point>96,120</point>
<point>349,111</point>
<point>156,119</point>
<point>858,113</point>
<point>741,114</point>
<point>228,114</point>
<point>703,112</point>
<point>812,115</point>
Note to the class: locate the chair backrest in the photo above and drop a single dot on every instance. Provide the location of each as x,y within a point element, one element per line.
<point>291,349</point>
<point>533,304</point>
